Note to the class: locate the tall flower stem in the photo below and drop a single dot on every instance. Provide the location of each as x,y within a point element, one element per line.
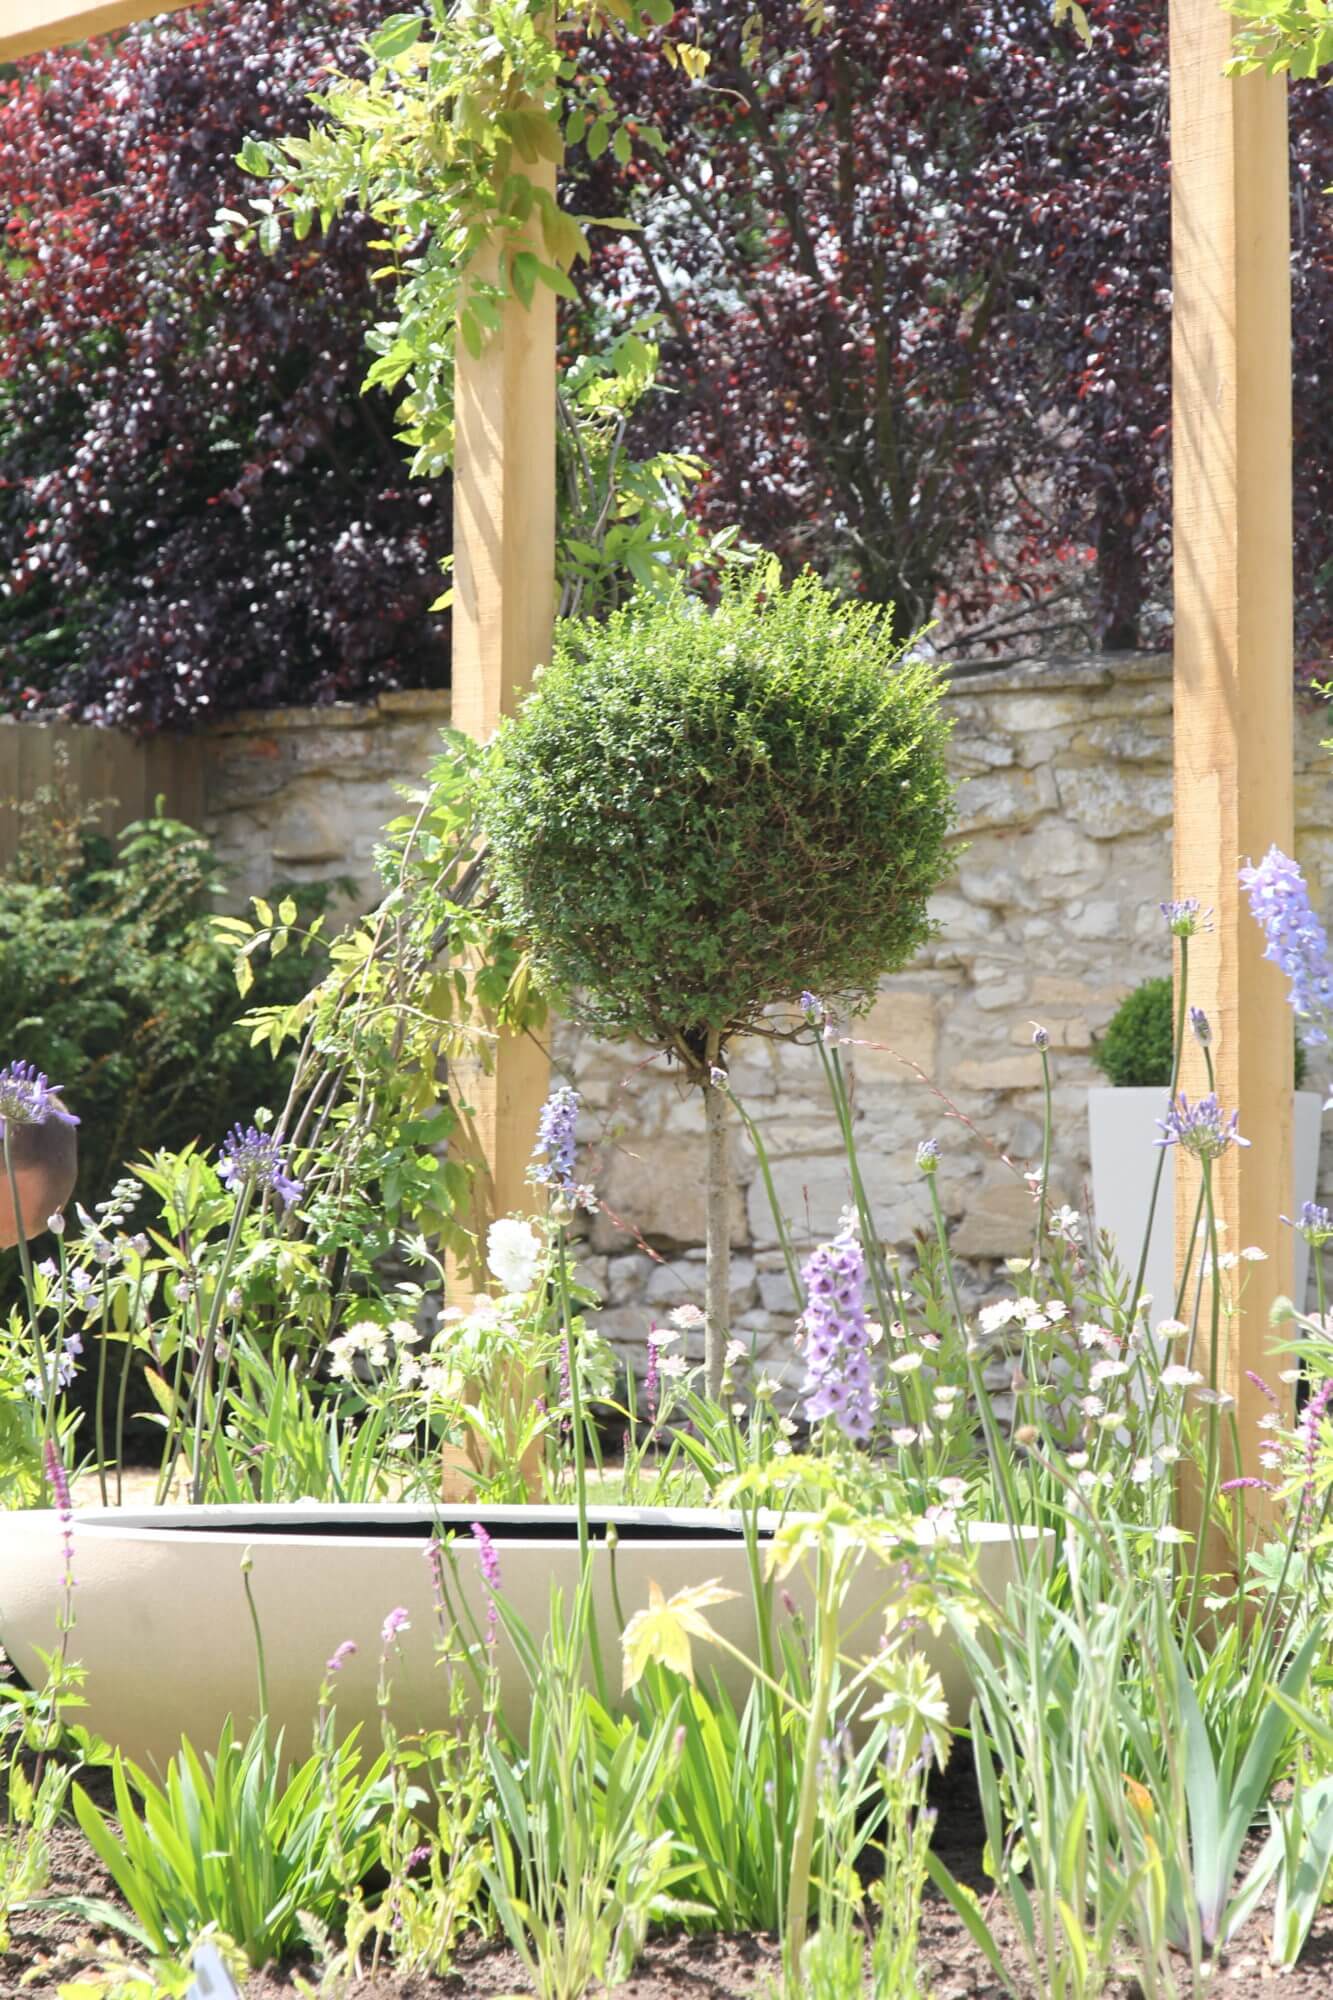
<point>580,1446</point>
<point>803,1834</point>
<point>29,1289</point>
<point>215,1306</point>
<point>1047,1125</point>
<point>1209,1491</point>
<point>1177,1053</point>
<point>994,1442</point>
<point>717,1303</point>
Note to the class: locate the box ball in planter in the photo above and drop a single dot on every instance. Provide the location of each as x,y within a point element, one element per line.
<point>163,1632</point>
<point>1124,1124</point>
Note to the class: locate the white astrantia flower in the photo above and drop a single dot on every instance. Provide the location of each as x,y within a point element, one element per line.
<point>903,1435</point>
<point>1252,1254</point>
<point>1171,1329</point>
<point>1001,1314</point>
<point>514,1254</point>
<point>1219,1398</point>
<point>1056,1309</point>
<point>1107,1371</point>
<point>672,1365</point>
<point>1177,1376</point>
<point>687,1317</point>
<point>1142,1470</point>
<point>736,1350</point>
<point>905,1364</point>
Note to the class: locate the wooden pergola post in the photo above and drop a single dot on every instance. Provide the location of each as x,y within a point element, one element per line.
<point>504,589</point>
<point>504,607</point>
<point>1231,403</point>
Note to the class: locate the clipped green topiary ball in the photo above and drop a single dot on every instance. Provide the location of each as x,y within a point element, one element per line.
<point>1136,1051</point>
<point>701,812</point>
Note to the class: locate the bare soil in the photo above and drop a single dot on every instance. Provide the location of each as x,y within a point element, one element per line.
<point>48,1948</point>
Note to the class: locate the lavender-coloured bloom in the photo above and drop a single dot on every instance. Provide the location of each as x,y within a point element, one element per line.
<point>838,1382</point>
<point>488,1561</point>
<point>811,1006</point>
<point>1041,1037</point>
<point>397,1621</point>
<point>555,1139</point>
<point>254,1158</point>
<point>58,1480</point>
<point>29,1098</point>
<point>340,1656</point>
<point>1185,919</point>
<point>1296,940</point>
<point>1202,1026</point>
<point>1202,1128</point>
<point>928,1156</point>
<point>1314,1223</point>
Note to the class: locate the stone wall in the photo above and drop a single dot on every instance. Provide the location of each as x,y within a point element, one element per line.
<point>301,794</point>
<point>1064,772</point>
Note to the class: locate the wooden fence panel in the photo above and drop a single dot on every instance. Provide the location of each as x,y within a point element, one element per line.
<point>120,775</point>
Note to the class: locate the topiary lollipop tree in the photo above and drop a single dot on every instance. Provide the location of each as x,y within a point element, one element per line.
<point>702,812</point>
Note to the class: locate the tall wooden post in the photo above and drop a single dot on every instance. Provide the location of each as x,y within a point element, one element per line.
<point>504,604</point>
<point>1231,405</point>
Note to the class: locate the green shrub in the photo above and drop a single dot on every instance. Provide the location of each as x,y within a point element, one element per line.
<point>1135,1053</point>
<point>114,981</point>
<point>701,812</point>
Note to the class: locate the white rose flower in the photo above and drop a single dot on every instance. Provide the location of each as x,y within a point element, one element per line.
<point>513,1254</point>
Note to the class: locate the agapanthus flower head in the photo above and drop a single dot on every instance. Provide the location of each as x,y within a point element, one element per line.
<point>29,1098</point>
<point>837,1338</point>
<point>1041,1037</point>
<point>1202,1027</point>
<point>1314,1223</point>
<point>1296,941</point>
<point>253,1158</point>
<point>928,1156</point>
<point>811,1006</point>
<point>554,1150</point>
<point>1185,919</point>
<point>1202,1128</point>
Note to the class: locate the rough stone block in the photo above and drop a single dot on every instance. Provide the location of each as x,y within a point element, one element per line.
<point>658,1189</point>
<point>1108,802</point>
<point>997,1073</point>
<point>902,1027</point>
<point>998,1222</point>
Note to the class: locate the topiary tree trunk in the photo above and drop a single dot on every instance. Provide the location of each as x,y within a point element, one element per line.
<point>717,1294</point>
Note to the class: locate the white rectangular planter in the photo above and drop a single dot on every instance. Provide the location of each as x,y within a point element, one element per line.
<point>1123,1126</point>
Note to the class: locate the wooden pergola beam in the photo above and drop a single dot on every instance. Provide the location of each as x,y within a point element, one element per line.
<point>1231,358</point>
<point>28,26</point>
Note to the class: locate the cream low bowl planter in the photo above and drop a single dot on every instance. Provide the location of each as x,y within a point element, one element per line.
<point>164,1634</point>
<point>1122,1128</point>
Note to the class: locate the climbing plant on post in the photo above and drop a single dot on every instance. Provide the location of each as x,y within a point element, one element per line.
<point>701,815</point>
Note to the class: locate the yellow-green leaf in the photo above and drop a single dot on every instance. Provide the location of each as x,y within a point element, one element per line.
<point>663,1630</point>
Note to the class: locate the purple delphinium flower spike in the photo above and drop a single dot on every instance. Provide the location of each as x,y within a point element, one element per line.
<point>488,1561</point>
<point>1296,940</point>
<point>555,1139</point>
<point>249,1156</point>
<point>838,1382</point>
<point>58,1480</point>
<point>29,1098</point>
<point>1202,1128</point>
